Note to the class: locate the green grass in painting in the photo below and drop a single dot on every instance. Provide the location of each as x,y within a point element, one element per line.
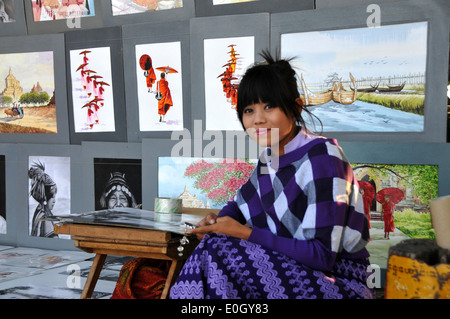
<point>413,224</point>
<point>412,103</point>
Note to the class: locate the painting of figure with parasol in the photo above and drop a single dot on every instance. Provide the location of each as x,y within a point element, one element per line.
<point>389,197</point>
<point>145,62</point>
<point>164,96</point>
<point>162,110</point>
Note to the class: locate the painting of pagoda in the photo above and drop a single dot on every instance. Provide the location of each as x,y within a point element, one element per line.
<point>27,95</point>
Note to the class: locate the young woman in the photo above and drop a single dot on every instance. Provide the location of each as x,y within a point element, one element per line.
<point>297,228</point>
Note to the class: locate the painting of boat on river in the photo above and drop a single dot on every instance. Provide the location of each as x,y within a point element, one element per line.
<point>362,79</point>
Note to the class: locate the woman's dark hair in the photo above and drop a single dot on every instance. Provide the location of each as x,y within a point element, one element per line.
<point>274,82</point>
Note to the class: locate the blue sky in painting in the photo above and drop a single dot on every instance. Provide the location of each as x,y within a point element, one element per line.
<point>385,51</point>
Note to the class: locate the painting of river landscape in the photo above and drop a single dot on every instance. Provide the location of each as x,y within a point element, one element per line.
<point>362,79</point>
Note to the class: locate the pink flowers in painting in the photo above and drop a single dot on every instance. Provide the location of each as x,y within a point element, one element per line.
<point>219,180</point>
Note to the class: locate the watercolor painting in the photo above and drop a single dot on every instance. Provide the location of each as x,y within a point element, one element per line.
<point>117,183</point>
<point>226,60</point>
<point>362,79</point>
<point>48,10</point>
<point>202,182</point>
<point>396,197</point>
<point>396,201</point>
<point>121,7</point>
<point>7,11</point>
<point>49,193</point>
<point>27,94</point>
<point>218,2</point>
<point>92,91</point>
<point>159,85</point>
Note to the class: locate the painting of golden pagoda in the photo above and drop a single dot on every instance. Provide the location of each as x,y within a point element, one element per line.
<point>27,95</point>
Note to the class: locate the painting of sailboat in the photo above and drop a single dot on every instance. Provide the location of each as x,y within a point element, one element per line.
<point>362,79</point>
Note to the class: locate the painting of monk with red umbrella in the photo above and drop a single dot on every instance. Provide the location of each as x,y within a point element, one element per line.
<point>165,97</point>
<point>389,197</point>
<point>368,194</point>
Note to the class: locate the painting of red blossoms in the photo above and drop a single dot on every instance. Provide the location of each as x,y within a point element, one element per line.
<point>202,182</point>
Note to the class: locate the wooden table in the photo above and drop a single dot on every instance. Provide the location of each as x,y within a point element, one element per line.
<point>121,241</point>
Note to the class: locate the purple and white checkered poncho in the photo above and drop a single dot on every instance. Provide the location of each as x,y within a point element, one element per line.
<point>308,239</point>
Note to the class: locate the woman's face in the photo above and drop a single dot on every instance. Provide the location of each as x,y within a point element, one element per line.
<point>268,126</point>
<point>51,203</point>
<point>117,199</point>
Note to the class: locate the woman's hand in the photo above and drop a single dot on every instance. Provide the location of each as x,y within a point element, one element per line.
<point>221,225</point>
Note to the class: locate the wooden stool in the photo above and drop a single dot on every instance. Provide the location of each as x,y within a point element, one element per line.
<point>131,242</point>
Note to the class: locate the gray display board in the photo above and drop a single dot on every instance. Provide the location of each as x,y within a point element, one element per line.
<point>221,27</point>
<point>9,190</point>
<point>16,19</point>
<point>154,34</point>
<point>68,183</point>
<point>204,8</point>
<point>42,43</point>
<point>111,39</point>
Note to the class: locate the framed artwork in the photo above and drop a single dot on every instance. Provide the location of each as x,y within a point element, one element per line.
<point>117,182</point>
<point>202,182</point>
<point>55,16</point>
<point>221,50</point>
<point>49,182</point>
<point>226,60</point>
<point>369,84</point>
<point>410,174</point>
<point>12,18</point>
<point>378,87</point>
<point>159,84</point>
<point>95,80</point>
<point>8,170</point>
<point>33,95</point>
<point>164,163</point>
<point>120,12</point>
<point>110,169</point>
<point>49,189</point>
<point>156,60</point>
<point>230,7</point>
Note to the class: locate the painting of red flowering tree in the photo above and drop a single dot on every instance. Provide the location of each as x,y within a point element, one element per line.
<point>219,180</point>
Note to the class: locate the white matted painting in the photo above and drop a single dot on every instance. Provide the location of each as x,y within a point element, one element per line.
<point>362,79</point>
<point>226,60</point>
<point>49,189</point>
<point>202,182</point>
<point>158,70</point>
<point>92,90</point>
